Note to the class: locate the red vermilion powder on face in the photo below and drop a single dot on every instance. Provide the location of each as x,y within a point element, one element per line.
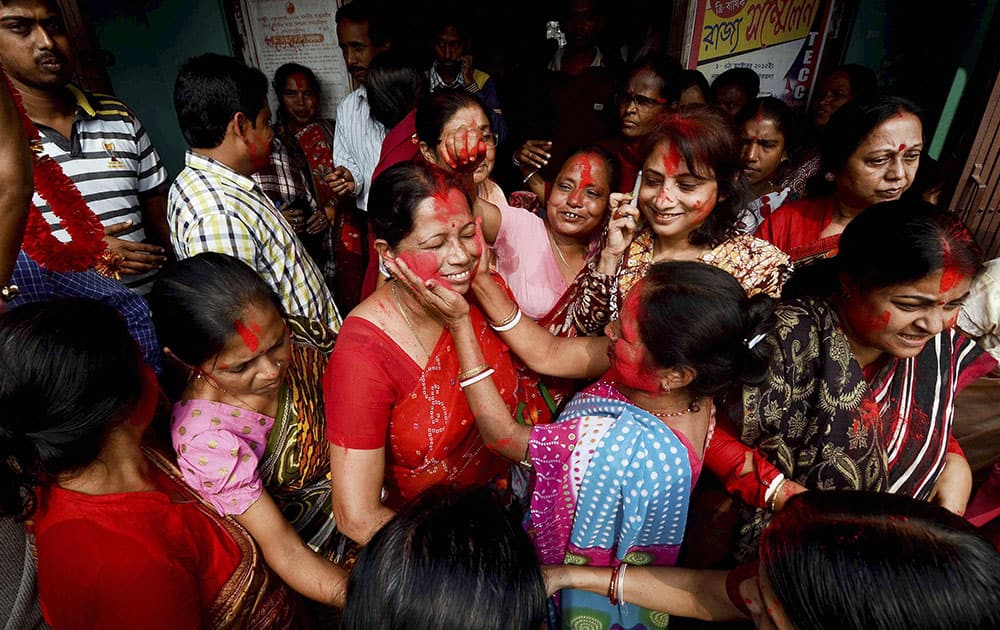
<point>250,340</point>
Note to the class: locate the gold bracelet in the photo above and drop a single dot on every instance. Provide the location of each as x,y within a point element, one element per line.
<point>774,495</point>
<point>507,320</point>
<point>476,371</point>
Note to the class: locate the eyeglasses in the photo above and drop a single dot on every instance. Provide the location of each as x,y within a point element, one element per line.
<point>625,99</point>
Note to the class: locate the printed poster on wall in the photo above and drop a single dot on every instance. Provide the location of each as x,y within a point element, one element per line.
<point>276,32</point>
<point>780,40</point>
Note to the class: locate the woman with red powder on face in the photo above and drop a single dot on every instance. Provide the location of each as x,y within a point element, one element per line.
<point>871,153</point>
<point>866,363</point>
<point>396,416</point>
<point>768,131</point>
<point>288,177</point>
<point>615,472</point>
<point>121,540</point>
<point>541,258</point>
<point>247,429</point>
<point>689,197</point>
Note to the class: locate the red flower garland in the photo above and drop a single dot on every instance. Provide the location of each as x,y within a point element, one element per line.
<point>66,202</point>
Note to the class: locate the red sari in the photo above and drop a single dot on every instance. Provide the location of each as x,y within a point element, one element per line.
<point>377,397</point>
<point>796,226</point>
<point>157,559</point>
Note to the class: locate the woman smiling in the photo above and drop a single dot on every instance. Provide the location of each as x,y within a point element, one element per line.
<point>689,197</point>
<point>866,363</point>
<point>396,416</point>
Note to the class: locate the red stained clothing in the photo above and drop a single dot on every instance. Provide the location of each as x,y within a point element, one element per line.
<point>131,560</point>
<point>796,226</point>
<point>377,397</point>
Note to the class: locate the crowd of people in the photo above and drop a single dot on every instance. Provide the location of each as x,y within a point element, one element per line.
<point>342,373</point>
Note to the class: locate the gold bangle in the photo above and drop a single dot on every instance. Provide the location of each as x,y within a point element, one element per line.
<point>507,320</point>
<point>774,495</point>
<point>476,371</point>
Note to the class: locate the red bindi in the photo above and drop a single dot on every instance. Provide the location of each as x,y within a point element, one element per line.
<point>902,147</point>
<point>250,340</point>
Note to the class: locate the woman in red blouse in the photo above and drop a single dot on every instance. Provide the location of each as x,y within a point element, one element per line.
<point>872,152</point>
<point>122,541</point>
<point>396,415</point>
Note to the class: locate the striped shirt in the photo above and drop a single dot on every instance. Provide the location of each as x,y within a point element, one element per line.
<point>357,142</point>
<point>212,208</point>
<point>110,159</point>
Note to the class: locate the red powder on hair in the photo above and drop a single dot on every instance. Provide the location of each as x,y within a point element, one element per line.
<point>950,275</point>
<point>585,168</point>
<point>671,161</point>
<point>250,340</point>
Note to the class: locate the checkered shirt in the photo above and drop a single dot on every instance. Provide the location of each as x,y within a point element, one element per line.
<point>212,208</point>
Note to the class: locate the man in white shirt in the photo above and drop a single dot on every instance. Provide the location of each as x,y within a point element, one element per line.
<point>357,140</point>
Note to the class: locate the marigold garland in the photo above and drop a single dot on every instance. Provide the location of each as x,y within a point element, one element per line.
<point>66,202</point>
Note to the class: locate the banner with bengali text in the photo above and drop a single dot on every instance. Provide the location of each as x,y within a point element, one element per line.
<point>781,40</point>
<point>276,32</point>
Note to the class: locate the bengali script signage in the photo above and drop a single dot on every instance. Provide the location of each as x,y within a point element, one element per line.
<point>781,40</point>
<point>276,32</point>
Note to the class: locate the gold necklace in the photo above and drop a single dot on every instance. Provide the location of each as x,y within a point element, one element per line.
<point>409,324</point>
<point>558,250</point>
<point>694,407</point>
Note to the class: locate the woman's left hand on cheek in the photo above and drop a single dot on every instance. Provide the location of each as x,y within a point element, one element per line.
<point>433,294</point>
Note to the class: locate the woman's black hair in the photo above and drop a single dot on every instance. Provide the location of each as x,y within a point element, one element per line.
<point>851,124</point>
<point>894,242</point>
<point>666,68</point>
<point>694,78</point>
<point>196,304</point>
<point>281,78</point>
<point>744,78</point>
<point>447,561</point>
<point>864,82</point>
<point>775,110</point>
<point>698,316</point>
<point>850,560</point>
<point>398,190</point>
<point>69,372</point>
<point>395,85</point>
<point>710,145</point>
<point>437,108</point>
